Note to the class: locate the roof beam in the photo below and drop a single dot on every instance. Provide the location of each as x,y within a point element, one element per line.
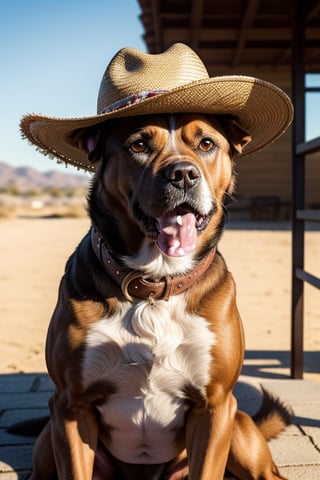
<point>246,24</point>
<point>158,34</point>
<point>313,12</point>
<point>195,22</point>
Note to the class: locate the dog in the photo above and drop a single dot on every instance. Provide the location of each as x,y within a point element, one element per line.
<point>146,343</point>
<point>141,379</point>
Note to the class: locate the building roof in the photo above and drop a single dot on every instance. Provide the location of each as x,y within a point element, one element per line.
<point>233,34</point>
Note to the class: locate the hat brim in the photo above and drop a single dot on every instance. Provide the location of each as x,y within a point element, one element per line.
<point>261,109</point>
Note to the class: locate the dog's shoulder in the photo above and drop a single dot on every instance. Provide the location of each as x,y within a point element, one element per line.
<point>84,277</point>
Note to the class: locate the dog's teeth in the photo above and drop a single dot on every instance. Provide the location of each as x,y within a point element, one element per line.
<point>179,220</point>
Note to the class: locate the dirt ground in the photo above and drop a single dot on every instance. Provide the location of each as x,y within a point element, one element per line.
<point>34,251</point>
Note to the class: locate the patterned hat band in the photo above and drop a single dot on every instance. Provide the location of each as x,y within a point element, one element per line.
<point>130,100</point>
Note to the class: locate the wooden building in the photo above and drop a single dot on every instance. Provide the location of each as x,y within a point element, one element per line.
<point>248,37</point>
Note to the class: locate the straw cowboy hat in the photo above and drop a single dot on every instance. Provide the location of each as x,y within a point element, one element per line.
<point>176,81</point>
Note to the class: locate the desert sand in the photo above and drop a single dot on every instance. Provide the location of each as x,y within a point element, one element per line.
<point>34,251</point>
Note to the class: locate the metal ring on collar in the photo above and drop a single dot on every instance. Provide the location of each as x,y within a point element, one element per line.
<point>125,284</point>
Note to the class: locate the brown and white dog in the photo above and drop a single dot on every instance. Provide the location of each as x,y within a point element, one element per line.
<point>146,343</point>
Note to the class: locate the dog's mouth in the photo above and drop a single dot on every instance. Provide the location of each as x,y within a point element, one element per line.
<point>176,232</point>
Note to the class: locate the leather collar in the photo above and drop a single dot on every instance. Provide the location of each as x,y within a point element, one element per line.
<point>132,282</point>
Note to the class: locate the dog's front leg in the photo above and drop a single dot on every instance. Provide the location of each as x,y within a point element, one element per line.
<point>74,434</point>
<point>208,438</point>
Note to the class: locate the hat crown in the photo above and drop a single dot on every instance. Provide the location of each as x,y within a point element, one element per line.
<point>132,71</point>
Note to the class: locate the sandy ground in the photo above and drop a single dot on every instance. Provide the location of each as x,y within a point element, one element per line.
<point>34,251</point>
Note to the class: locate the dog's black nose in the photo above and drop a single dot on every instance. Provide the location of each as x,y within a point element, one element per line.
<point>182,175</point>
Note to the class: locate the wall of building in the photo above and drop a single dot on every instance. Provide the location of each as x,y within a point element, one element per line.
<point>268,173</point>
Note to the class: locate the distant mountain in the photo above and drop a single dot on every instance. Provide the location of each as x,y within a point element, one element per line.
<point>27,178</point>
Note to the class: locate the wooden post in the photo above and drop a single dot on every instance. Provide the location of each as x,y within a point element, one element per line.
<point>298,187</point>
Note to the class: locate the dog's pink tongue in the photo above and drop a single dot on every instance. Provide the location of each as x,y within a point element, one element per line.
<point>178,234</point>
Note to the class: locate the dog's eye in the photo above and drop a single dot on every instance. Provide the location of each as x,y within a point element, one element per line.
<point>139,146</point>
<point>206,145</point>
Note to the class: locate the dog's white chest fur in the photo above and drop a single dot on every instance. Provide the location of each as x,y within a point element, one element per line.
<point>149,354</point>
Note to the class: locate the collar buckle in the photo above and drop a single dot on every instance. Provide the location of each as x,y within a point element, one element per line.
<point>132,275</point>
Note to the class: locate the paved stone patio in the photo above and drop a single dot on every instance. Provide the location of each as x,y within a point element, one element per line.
<point>296,451</point>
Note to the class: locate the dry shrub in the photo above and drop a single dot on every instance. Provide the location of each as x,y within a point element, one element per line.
<point>7,211</point>
<point>73,211</point>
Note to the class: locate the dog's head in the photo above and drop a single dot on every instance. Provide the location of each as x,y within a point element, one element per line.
<point>157,197</point>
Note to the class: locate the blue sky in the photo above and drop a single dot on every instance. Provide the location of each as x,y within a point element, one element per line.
<point>313,107</point>
<point>53,54</point>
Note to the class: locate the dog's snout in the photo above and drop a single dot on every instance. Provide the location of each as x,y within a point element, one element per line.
<point>182,175</point>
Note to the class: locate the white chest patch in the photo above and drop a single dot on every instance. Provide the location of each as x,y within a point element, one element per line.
<point>149,353</point>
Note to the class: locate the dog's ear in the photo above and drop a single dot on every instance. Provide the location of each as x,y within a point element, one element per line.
<point>89,140</point>
<point>238,138</point>
<point>93,144</point>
